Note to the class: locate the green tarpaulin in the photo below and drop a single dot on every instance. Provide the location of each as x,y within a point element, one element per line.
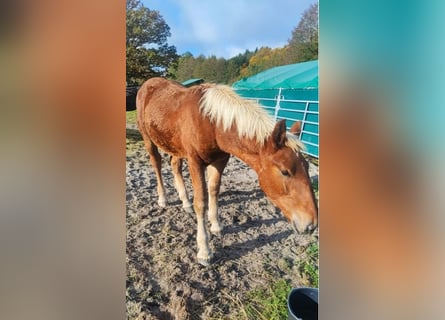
<point>288,92</point>
<point>294,76</point>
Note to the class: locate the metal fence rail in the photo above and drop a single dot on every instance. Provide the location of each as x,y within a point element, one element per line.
<point>305,111</point>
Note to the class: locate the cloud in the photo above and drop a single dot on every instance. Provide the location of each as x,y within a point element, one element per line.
<point>226,28</point>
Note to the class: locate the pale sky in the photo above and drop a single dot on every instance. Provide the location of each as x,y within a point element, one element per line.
<point>227,28</point>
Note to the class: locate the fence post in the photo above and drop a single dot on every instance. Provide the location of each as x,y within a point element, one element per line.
<point>277,105</point>
<point>306,108</point>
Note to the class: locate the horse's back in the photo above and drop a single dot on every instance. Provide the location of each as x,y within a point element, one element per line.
<point>168,113</point>
<point>156,87</point>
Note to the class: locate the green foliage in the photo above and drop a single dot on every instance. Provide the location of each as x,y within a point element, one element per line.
<point>131,117</point>
<point>185,67</point>
<point>265,58</point>
<point>310,266</point>
<point>270,303</point>
<point>147,51</point>
<point>303,45</point>
<point>211,68</point>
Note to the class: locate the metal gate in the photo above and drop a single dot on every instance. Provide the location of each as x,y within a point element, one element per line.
<point>292,110</point>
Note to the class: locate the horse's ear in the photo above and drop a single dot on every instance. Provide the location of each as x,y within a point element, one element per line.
<point>279,134</point>
<point>296,128</point>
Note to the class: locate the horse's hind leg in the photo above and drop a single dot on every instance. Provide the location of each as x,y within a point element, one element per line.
<point>176,164</point>
<point>214,171</point>
<point>156,162</point>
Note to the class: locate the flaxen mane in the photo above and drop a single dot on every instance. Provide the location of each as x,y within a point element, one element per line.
<point>224,107</point>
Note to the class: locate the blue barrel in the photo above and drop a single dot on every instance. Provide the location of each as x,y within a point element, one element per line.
<point>302,304</point>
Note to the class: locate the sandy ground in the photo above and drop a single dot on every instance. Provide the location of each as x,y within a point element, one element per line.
<point>257,246</point>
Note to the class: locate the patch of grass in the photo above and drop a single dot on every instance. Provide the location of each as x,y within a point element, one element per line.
<point>310,265</point>
<point>131,116</point>
<point>312,272</point>
<point>270,303</point>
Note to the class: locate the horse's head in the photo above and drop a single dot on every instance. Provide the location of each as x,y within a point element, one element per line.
<point>283,175</point>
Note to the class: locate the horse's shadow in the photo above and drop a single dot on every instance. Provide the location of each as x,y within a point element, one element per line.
<point>227,198</point>
<point>236,250</point>
<point>237,228</point>
<point>230,197</point>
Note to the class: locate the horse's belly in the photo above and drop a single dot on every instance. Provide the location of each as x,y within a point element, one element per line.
<point>166,142</point>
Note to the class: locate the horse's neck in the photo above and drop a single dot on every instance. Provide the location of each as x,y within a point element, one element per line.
<point>247,150</point>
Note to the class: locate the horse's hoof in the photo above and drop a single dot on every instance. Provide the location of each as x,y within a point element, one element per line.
<point>204,262</point>
<point>162,204</point>
<point>216,231</point>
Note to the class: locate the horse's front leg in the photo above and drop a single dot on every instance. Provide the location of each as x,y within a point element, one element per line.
<point>176,164</point>
<point>199,204</point>
<point>214,171</point>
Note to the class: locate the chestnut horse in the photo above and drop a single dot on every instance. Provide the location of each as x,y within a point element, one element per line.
<point>206,123</point>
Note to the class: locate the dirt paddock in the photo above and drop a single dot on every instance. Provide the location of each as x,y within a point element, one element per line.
<point>257,246</point>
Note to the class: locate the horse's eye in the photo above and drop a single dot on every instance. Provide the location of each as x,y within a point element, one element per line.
<point>285,173</point>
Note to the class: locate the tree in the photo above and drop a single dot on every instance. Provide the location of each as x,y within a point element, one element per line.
<point>303,45</point>
<point>147,51</point>
<point>263,59</point>
<point>236,64</point>
<point>211,69</point>
<point>184,69</point>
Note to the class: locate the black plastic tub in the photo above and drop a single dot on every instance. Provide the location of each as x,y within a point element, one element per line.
<point>302,304</point>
